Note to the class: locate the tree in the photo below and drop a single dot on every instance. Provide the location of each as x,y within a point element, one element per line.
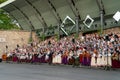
<point>1,1</point>
<point>6,23</point>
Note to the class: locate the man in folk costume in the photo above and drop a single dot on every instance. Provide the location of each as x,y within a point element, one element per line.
<point>76,59</point>
<point>47,55</point>
<point>50,57</point>
<point>70,59</point>
<point>107,55</point>
<point>99,58</point>
<point>81,55</point>
<point>84,57</point>
<point>9,56</point>
<point>17,56</point>
<point>36,57</point>
<point>42,55</point>
<point>39,57</point>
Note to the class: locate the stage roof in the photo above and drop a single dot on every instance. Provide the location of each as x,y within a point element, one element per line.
<point>36,14</point>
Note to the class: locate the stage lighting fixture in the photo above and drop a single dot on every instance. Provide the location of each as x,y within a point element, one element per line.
<point>88,21</point>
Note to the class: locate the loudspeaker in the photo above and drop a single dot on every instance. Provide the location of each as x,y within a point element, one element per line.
<point>49,42</point>
<point>116,36</point>
<point>107,38</point>
<point>73,40</point>
<point>0,60</point>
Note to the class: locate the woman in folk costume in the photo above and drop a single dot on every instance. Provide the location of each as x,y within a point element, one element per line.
<point>59,58</point>
<point>94,58</point>
<point>109,63</point>
<point>84,62</point>
<point>54,60</point>
<point>43,56</point>
<point>15,58</point>
<point>118,51</point>
<point>81,56</point>
<point>99,57</point>
<point>119,60</point>
<point>35,58</point>
<point>47,55</point>
<point>115,60</point>
<point>27,58</point>
<point>88,55</point>
<point>65,57</point>
<point>40,55</point>
<point>99,60</point>
<point>22,57</point>
<point>70,59</point>
<point>109,56</point>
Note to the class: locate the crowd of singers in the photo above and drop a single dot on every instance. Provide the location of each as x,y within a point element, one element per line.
<point>89,50</point>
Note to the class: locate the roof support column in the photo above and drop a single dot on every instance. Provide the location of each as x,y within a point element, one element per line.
<point>102,21</point>
<point>58,35</point>
<point>77,26</point>
<point>102,12</point>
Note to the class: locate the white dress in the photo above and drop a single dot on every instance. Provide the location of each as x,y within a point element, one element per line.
<point>107,59</point>
<point>59,59</point>
<point>103,60</point>
<point>46,57</point>
<point>54,60</point>
<point>93,63</point>
<point>99,59</point>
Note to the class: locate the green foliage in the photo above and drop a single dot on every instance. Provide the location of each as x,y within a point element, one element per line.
<point>100,31</point>
<point>1,1</point>
<point>30,40</point>
<point>43,37</point>
<point>76,36</point>
<point>57,37</point>
<point>6,22</point>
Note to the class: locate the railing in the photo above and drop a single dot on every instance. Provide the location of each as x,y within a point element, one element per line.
<point>95,27</point>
